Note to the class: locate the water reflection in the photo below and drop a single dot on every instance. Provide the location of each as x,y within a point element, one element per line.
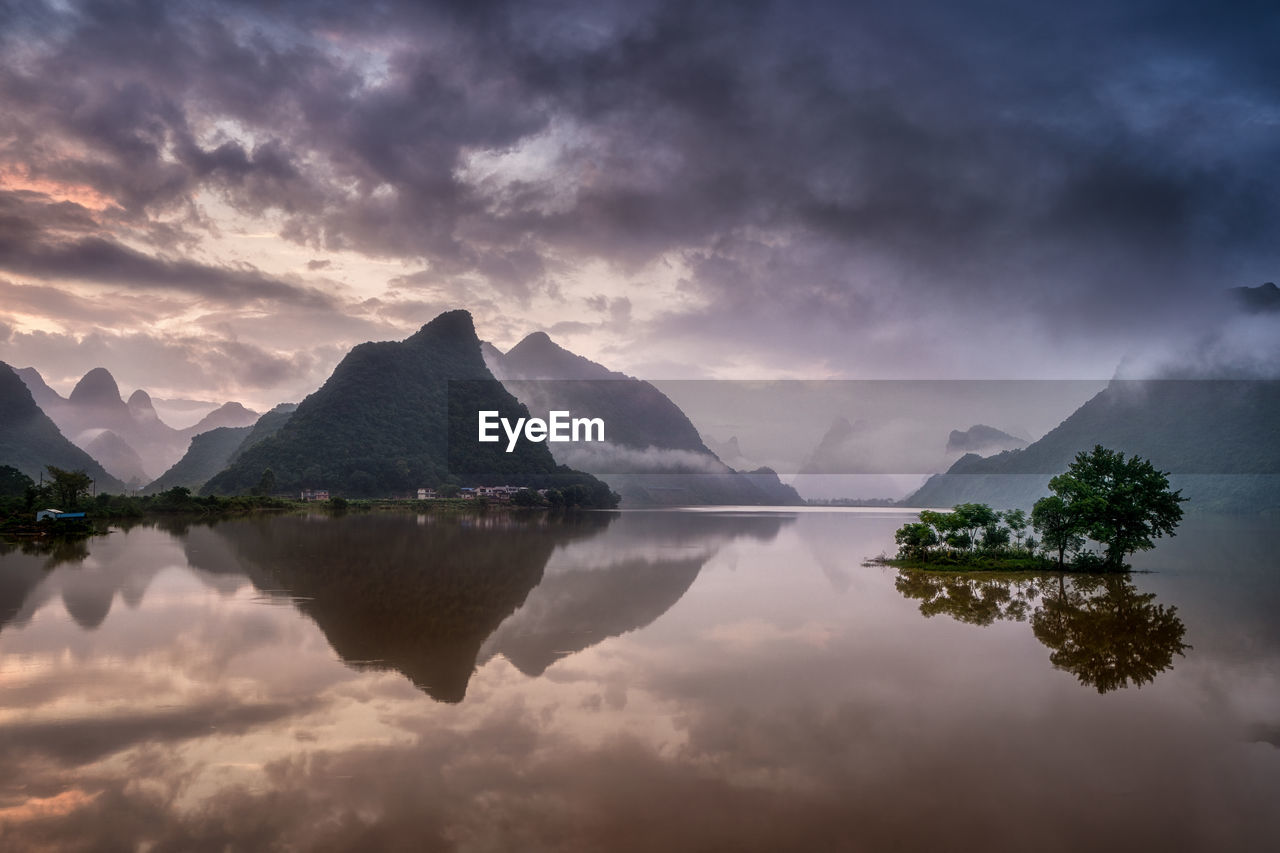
<point>705,684</point>
<point>423,595</point>
<point>1099,628</point>
<point>85,574</point>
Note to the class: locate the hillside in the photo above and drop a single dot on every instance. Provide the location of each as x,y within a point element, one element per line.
<point>215,448</point>
<point>208,454</point>
<point>654,453</point>
<point>29,440</point>
<point>1215,437</point>
<point>381,425</point>
<point>265,427</point>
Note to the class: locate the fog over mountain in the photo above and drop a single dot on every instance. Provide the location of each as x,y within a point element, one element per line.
<point>128,438</point>
<point>29,440</point>
<point>651,453</point>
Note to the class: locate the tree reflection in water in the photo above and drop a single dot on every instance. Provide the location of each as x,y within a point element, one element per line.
<point>1100,628</point>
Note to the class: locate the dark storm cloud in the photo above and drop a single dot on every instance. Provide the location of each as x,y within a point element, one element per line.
<point>1073,164</point>
<point>59,241</point>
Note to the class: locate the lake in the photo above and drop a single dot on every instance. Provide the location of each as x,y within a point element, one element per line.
<point>629,681</point>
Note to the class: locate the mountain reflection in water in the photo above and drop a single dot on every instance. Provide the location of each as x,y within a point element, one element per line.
<point>635,681</point>
<point>422,597</point>
<point>1100,628</point>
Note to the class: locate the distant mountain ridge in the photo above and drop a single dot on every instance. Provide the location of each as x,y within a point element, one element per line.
<point>981,438</point>
<point>137,443</point>
<point>209,453</point>
<point>214,449</point>
<point>655,454</point>
<point>1215,437</point>
<point>29,439</point>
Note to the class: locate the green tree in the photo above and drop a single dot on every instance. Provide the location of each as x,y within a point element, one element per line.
<point>67,486</point>
<point>915,539</point>
<point>1016,519</point>
<point>527,497</point>
<point>971,517</point>
<point>1120,503</point>
<point>1058,527</point>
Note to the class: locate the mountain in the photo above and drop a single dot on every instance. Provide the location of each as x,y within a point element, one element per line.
<point>265,427</point>
<point>638,415</point>
<point>226,415</point>
<point>209,453</point>
<point>729,452</point>
<point>98,389</point>
<point>140,406</point>
<point>1215,437</point>
<point>95,405</point>
<point>1260,299</point>
<point>383,424</point>
<point>838,451</point>
<point>29,440</point>
<point>653,453</point>
<point>115,454</point>
<point>980,439</point>
<point>46,398</point>
<point>215,448</point>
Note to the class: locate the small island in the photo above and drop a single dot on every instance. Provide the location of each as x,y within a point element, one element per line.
<point>1119,504</point>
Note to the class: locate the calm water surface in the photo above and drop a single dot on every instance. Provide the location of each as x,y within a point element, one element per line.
<point>671,680</point>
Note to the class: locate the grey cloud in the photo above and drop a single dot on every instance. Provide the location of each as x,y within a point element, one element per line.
<point>1072,167</point>
<point>105,261</point>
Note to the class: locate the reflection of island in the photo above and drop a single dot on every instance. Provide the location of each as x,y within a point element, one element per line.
<point>421,595</point>
<point>1098,627</point>
<point>1107,633</point>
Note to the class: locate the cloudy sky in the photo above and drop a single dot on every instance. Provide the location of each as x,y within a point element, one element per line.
<point>216,199</point>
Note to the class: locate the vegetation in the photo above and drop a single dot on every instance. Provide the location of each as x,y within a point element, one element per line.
<point>971,536</point>
<point>1120,504</point>
<point>208,454</point>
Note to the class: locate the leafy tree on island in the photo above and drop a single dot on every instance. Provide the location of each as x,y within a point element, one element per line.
<point>1120,503</point>
<point>1059,529</point>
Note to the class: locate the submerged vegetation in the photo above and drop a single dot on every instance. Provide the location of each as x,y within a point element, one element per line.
<point>1120,504</point>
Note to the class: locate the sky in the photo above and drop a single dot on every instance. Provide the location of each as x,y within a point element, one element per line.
<point>216,200</point>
